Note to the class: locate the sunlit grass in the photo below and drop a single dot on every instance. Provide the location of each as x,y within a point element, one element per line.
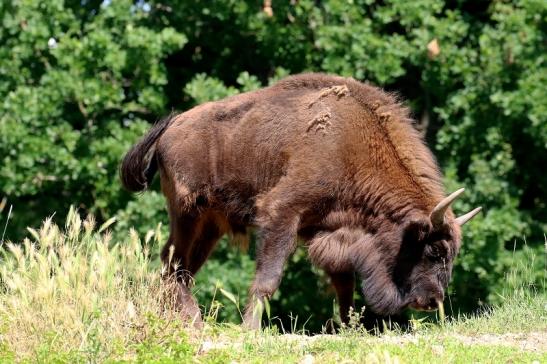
<point>73,290</point>
<point>523,305</point>
<point>71,295</point>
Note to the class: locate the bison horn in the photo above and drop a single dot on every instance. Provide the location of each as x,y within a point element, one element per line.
<point>437,215</point>
<point>465,218</point>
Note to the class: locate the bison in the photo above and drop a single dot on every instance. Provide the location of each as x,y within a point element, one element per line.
<point>328,160</point>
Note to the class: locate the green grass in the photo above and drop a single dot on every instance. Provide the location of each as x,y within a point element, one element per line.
<point>70,295</point>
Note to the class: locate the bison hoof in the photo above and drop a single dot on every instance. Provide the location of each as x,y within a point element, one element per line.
<point>252,323</point>
<point>193,319</point>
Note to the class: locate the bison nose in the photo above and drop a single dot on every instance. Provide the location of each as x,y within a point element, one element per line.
<point>435,300</point>
<point>433,303</point>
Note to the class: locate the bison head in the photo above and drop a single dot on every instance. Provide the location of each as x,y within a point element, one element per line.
<point>410,266</point>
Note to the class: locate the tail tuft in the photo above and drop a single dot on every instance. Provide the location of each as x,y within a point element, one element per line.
<point>140,164</point>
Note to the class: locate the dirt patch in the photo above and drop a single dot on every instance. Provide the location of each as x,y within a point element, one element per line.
<point>532,342</point>
<point>339,91</point>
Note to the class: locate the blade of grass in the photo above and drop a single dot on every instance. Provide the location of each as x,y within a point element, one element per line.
<point>6,226</point>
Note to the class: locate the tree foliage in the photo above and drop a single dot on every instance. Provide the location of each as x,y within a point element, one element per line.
<point>82,80</point>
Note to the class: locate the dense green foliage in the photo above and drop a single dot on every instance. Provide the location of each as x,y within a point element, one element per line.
<point>80,81</point>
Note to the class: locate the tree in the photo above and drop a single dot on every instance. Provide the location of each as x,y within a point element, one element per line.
<point>79,85</point>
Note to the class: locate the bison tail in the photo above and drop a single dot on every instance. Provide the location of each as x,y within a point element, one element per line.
<point>140,164</point>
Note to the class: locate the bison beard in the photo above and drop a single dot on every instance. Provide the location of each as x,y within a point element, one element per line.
<point>332,161</point>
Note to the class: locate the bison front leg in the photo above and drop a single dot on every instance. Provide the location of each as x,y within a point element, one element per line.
<point>278,242</point>
<point>344,284</point>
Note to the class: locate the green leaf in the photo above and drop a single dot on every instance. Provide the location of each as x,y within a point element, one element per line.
<point>229,296</point>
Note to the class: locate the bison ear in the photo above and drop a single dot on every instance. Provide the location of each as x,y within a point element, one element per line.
<point>417,228</point>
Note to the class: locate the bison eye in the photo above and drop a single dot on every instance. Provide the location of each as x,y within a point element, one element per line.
<point>435,251</point>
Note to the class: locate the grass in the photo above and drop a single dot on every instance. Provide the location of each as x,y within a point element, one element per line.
<point>70,295</point>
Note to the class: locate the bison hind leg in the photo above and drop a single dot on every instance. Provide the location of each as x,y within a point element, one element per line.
<point>178,296</point>
<point>192,238</point>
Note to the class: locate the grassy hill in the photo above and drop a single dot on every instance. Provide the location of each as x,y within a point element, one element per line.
<point>70,295</point>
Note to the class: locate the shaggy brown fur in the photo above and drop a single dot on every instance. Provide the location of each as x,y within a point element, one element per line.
<point>329,159</point>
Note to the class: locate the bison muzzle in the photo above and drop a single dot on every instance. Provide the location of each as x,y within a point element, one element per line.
<point>328,160</point>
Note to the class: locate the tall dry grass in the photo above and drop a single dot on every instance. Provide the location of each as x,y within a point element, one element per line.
<point>72,289</point>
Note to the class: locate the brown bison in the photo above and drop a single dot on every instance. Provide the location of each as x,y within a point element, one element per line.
<point>332,161</point>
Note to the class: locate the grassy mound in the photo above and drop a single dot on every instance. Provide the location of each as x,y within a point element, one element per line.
<point>71,295</point>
